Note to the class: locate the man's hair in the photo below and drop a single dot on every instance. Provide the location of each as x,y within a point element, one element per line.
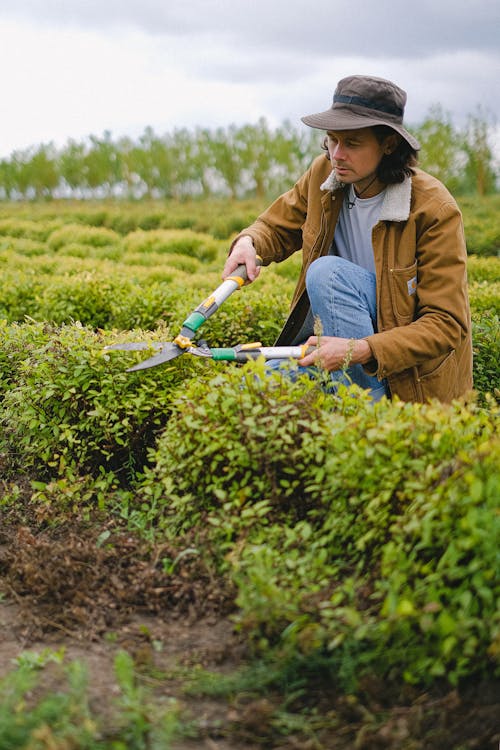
<point>394,167</point>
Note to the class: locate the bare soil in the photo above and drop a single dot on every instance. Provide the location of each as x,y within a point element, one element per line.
<point>94,588</point>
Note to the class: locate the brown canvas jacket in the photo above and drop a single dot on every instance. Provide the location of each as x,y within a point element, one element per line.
<point>423,341</point>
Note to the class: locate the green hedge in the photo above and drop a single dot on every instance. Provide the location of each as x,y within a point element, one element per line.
<point>69,406</point>
<point>365,533</point>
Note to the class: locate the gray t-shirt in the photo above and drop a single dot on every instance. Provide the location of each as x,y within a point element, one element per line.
<point>353,233</point>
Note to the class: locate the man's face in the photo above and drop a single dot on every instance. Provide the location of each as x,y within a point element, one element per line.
<point>355,154</point>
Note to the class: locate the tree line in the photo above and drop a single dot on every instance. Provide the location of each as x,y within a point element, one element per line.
<point>235,161</point>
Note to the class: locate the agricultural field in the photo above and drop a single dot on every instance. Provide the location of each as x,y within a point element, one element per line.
<point>201,556</point>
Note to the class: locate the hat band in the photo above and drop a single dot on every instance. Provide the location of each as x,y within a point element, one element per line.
<point>360,102</point>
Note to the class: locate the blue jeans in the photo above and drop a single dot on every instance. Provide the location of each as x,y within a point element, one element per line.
<point>343,297</point>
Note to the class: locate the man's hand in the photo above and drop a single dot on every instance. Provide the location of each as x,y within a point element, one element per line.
<point>242,252</point>
<point>334,353</point>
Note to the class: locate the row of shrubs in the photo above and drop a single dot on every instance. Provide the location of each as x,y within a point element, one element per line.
<point>363,536</point>
<point>154,279</point>
<point>219,218</point>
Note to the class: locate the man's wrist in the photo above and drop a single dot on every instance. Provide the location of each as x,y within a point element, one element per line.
<point>361,352</point>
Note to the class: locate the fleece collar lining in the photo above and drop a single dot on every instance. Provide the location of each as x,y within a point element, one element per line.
<point>396,205</point>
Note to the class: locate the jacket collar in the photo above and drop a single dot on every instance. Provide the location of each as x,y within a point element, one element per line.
<point>396,205</point>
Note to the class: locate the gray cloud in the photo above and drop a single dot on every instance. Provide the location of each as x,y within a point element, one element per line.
<point>382,29</point>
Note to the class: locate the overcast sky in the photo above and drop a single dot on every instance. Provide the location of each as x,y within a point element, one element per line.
<point>71,68</point>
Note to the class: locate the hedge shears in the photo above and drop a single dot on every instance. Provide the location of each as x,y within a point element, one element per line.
<point>239,353</point>
<point>184,340</point>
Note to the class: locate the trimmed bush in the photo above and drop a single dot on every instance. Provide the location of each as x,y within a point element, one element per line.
<point>28,229</point>
<point>313,501</point>
<point>82,235</point>
<point>183,242</point>
<point>68,406</point>
<point>486,347</point>
<point>485,296</point>
<point>483,269</point>
<point>22,245</point>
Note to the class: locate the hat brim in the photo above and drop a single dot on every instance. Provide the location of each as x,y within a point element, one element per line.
<point>338,119</point>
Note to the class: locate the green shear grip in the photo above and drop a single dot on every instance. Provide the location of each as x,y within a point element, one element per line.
<point>194,321</point>
<point>224,354</point>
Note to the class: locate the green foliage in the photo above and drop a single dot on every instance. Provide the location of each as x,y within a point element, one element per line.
<point>482,224</point>
<point>22,245</point>
<point>485,296</point>
<point>486,362</point>
<point>360,538</point>
<point>442,151</point>
<point>81,234</point>
<point>205,461</point>
<point>304,496</point>
<point>69,407</point>
<point>33,716</point>
<point>234,162</point>
<point>483,268</point>
<point>144,725</point>
<point>439,576</point>
<point>186,242</point>
<point>28,228</point>
<point>53,719</point>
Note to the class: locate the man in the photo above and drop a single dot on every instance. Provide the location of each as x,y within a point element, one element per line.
<point>384,257</point>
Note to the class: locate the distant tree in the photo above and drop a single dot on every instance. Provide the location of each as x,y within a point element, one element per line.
<point>7,179</point>
<point>184,160</point>
<point>21,172</point>
<point>103,165</point>
<point>235,161</point>
<point>204,162</point>
<point>258,155</point>
<point>228,159</point>
<point>152,161</point>
<point>72,166</point>
<point>295,149</point>
<point>481,170</point>
<point>43,171</point>
<point>442,153</point>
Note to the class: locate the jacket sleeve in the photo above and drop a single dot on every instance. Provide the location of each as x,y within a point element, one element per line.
<point>277,233</point>
<point>441,319</point>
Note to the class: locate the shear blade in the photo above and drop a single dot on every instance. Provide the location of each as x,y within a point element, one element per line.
<point>169,351</point>
<point>135,346</point>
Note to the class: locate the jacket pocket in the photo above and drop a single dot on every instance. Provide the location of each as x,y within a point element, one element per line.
<point>404,292</point>
<point>442,382</point>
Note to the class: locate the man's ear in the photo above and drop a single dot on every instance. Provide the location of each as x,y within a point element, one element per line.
<point>391,143</point>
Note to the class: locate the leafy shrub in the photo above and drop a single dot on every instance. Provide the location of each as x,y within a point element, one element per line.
<point>227,445</point>
<point>82,235</point>
<point>483,269</point>
<point>70,406</point>
<point>18,294</point>
<point>88,298</point>
<point>28,229</point>
<point>231,224</point>
<point>439,577</point>
<point>81,250</point>
<point>483,238</point>
<point>22,245</point>
<point>177,261</point>
<point>485,296</point>
<point>310,497</point>
<point>486,347</point>
<point>184,242</point>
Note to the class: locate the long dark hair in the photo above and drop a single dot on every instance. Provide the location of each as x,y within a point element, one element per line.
<point>393,167</point>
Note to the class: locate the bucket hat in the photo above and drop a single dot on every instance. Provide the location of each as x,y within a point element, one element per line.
<point>363,101</point>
